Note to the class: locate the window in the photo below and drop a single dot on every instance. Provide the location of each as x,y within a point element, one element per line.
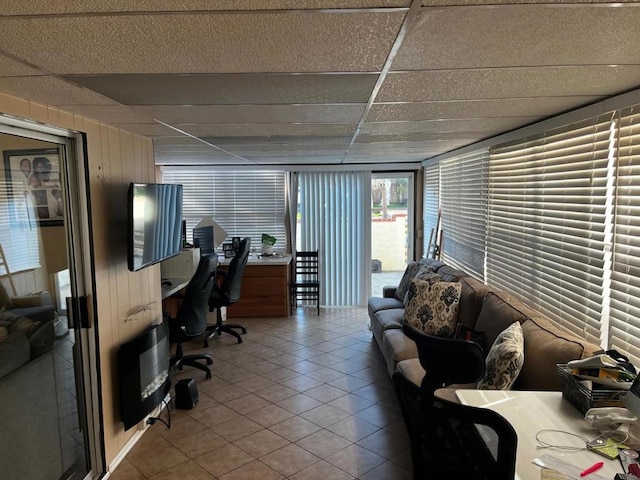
<point>625,276</point>
<point>244,203</point>
<point>463,200</point>
<point>546,227</point>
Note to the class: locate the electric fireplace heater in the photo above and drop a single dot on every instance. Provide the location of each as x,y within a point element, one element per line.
<point>143,367</point>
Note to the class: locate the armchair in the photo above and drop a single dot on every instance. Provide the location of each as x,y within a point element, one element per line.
<point>228,293</point>
<point>191,319</point>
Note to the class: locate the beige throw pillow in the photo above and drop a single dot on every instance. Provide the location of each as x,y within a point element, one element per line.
<point>504,360</point>
<point>433,307</point>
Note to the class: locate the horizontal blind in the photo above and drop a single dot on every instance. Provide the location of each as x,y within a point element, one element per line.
<point>431,204</point>
<point>18,228</point>
<point>625,278</point>
<point>546,223</point>
<point>244,203</point>
<point>335,219</point>
<point>463,204</point>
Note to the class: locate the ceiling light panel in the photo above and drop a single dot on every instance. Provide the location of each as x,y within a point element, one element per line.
<point>255,113</point>
<point>597,81</point>
<point>541,35</point>
<point>204,43</point>
<point>231,89</point>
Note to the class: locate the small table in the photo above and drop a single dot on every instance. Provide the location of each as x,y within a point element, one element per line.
<point>530,412</point>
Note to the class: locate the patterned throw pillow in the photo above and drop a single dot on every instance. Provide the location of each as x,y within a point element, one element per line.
<point>409,274</point>
<point>433,307</point>
<point>504,360</point>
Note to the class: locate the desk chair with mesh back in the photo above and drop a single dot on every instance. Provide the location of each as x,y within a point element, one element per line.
<point>228,293</point>
<point>481,443</point>
<point>191,319</point>
<point>306,283</point>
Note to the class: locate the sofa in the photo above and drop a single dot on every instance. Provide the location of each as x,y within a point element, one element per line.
<point>26,328</point>
<point>484,310</point>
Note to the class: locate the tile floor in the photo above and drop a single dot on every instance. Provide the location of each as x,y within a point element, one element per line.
<point>302,398</point>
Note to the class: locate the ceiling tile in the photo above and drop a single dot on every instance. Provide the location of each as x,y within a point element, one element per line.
<point>148,129</point>
<point>467,137</point>
<point>276,140</point>
<point>255,113</point>
<point>510,107</point>
<point>13,68</point>
<point>476,125</point>
<point>51,91</point>
<point>231,89</point>
<point>11,7</point>
<point>508,83</point>
<point>449,3</point>
<point>266,129</point>
<point>110,113</point>
<point>449,38</point>
<point>204,43</point>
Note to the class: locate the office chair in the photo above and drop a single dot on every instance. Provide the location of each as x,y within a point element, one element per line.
<point>228,293</point>
<point>191,319</point>
<point>306,282</point>
<point>446,362</point>
<point>477,442</point>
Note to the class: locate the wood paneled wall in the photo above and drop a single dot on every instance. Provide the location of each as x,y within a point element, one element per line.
<point>116,157</point>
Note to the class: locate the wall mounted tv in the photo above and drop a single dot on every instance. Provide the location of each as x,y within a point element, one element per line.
<point>155,223</point>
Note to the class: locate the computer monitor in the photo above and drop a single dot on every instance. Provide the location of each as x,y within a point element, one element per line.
<point>203,238</point>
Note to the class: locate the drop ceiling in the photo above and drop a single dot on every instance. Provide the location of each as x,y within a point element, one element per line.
<point>287,82</point>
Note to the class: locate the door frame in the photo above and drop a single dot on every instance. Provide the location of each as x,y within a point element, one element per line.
<point>74,175</point>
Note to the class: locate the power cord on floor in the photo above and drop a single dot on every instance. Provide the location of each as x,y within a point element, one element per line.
<point>153,420</point>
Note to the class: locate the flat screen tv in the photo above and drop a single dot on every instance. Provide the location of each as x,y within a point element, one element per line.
<point>155,223</point>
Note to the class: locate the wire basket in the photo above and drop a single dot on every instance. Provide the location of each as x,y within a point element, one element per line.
<point>581,397</point>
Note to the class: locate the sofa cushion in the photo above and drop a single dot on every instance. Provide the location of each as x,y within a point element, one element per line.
<point>396,347</point>
<point>498,311</point>
<point>405,281</point>
<point>504,360</point>
<point>433,307</point>
<point>375,304</point>
<point>451,274</point>
<point>471,298</point>
<point>546,345</point>
<point>386,319</point>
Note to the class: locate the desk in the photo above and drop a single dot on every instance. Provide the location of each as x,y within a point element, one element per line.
<point>530,412</point>
<point>176,284</point>
<point>265,288</point>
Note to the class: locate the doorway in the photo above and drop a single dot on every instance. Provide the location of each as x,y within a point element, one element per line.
<point>392,198</point>
<point>46,432</point>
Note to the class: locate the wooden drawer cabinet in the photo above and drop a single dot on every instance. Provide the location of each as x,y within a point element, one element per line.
<point>265,291</point>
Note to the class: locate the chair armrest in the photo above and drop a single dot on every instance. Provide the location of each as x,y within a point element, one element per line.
<point>389,291</point>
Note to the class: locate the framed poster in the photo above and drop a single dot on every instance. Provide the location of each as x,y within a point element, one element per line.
<point>33,183</point>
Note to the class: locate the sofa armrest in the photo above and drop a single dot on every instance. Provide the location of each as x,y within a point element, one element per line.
<point>389,291</point>
<point>39,299</point>
<point>44,314</point>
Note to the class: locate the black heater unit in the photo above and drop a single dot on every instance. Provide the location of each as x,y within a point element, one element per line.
<point>143,367</point>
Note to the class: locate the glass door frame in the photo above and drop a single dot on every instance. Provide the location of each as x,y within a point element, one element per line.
<point>74,175</point>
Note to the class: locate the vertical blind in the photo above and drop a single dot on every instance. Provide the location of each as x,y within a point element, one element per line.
<point>244,203</point>
<point>625,276</point>
<point>335,218</point>
<point>547,222</point>
<point>463,200</point>
<point>431,205</point>
<point>18,228</point>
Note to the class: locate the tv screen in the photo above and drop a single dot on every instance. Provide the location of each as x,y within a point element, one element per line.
<point>155,223</point>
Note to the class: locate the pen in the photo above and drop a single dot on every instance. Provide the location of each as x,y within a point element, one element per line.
<point>591,469</point>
